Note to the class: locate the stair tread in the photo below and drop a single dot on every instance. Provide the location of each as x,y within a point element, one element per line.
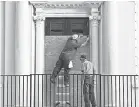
<point>62,93</point>
<point>63,102</point>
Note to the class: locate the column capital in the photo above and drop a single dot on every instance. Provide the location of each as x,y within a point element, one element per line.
<point>38,18</point>
<point>95,17</point>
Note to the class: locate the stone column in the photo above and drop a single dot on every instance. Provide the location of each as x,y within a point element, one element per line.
<point>94,27</point>
<point>23,39</point>
<point>2,49</point>
<point>118,47</point>
<point>10,8</point>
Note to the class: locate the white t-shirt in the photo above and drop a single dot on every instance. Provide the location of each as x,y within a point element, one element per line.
<point>87,67</point>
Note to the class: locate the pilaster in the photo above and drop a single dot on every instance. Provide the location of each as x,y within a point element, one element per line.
<point>94,29</point>
<point>39,20</point>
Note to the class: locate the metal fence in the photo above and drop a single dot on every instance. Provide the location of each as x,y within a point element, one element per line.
<point>36,90</point>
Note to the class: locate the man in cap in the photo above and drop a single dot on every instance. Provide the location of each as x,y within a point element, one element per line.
<point>66,57</point>
<point>88,71</point>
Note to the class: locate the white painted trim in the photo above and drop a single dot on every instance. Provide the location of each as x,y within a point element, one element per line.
<point>62,93</point>
<point>137,42</point>
<point>136,37</point>
<point>66,15</point>
<point>100,58</point>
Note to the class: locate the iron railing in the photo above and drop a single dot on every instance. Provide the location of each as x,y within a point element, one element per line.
<point>36,90</point>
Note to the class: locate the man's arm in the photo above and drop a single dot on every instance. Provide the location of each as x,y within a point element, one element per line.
<point>86,68</point>
<point>94,72</point>
<point>79,44</point>
<point>94,69</point>
<point>82,68</point>
<point>84,44</point>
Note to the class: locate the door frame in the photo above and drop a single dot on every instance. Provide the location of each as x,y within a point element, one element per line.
<point>46,9</point>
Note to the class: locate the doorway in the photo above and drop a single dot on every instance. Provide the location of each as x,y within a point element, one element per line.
<point>57,31</point>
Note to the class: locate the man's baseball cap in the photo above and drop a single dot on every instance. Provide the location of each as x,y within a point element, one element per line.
<point>75,36</point>
<point>83,56</point>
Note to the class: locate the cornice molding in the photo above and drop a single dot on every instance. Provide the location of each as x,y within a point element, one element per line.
<point>59,4</point>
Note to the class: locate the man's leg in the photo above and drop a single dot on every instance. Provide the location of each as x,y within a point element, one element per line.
<point>66,69</point>
<point>86,94</point>
<point>66,76</point>
<point>92,95</point>
<point>56,70</point>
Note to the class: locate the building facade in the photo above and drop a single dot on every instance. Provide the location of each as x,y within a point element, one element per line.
<point>26,49</point>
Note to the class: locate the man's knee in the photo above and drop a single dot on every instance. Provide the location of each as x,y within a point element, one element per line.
<point>86,92</point>
<point>66,70</point>
<point>86,89</point>
<point>59,63</point>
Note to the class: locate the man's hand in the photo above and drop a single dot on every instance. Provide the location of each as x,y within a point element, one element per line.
<point>80,35</point>
<point>87,39</point>
<point>85,42</point>
<point>82,71</point>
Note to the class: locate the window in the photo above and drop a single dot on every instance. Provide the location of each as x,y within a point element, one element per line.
<point>66,26</point>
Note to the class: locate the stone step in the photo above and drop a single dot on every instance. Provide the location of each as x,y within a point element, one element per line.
<point>62,103</point>
<point>62,94</point>
<point>62,85</point>
<point>62,90</point>
<point>62,98</point>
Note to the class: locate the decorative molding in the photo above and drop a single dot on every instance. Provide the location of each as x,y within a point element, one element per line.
<point>68,4</point>
<point>95,20</point>
<point>95,17</point>
<point>38,18</point>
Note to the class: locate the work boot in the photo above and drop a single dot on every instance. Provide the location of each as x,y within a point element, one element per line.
<point>94,106</point>
<point>66,84</point>
<point>52,79</point>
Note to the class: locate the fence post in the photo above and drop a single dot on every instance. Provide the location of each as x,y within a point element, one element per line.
<point>30,90</point>
<point>100,90</point>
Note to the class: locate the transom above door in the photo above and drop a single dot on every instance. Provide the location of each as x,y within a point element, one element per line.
<point>66,26</point>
